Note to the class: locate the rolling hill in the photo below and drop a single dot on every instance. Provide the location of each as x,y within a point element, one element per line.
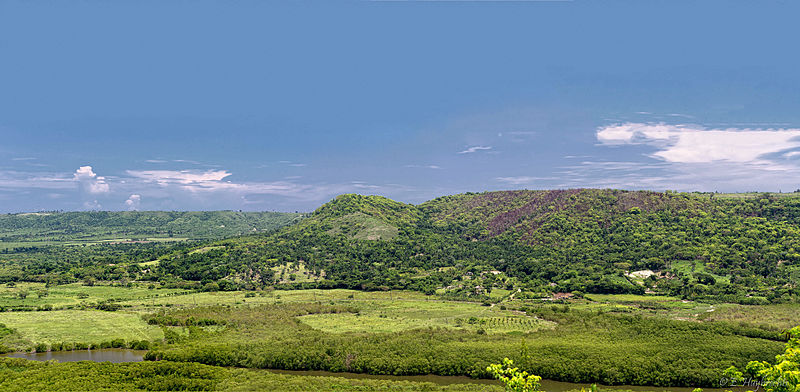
<point>54,228</point>
<point>741,249</point>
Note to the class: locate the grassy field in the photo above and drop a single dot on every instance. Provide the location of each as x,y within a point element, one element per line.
<point>385,332</point>
<point>781,316</point>
<point>235,298</point>
<point>76,295</point>
<point>378,311</point>
<point>84,326</point>
<point>646,305</point>
<point>401,315</point>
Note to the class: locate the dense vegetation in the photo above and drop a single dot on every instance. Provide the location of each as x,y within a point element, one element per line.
<point>23,375</point>
<point>783,376</point>
<point>613,339</point>
<point>587,346</point>
<point>616,287</point>
<point>54,247</point>
<point>43,228</point>
<point>694,245</point>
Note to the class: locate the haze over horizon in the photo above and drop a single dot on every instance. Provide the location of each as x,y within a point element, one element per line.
<point>281,106</point>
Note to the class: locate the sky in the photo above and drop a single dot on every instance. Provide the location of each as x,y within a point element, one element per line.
<point>282,105</point>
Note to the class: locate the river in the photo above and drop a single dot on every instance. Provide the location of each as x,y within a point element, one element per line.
<point>116,355</point>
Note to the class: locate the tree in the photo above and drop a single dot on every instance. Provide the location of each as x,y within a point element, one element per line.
<point>515,380</point>
<point>783,376</point>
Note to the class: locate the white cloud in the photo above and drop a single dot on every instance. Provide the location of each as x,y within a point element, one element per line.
<point>11,179</point>
<point>692,144</point>
<point>90,181</point>
<point>201,182</point>
<point>133,202</point>
<point>185,177</point>
<point>473,149</point>
<point>293,164</point>
<point>693,158</point>
<point>181,189</point>
<point>434,167</point>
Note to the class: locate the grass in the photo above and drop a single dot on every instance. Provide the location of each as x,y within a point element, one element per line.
<point>364,227</point>
<point>650,305</point>
<point>296,273</point>
<point>401,315</point>
<point>421,333</point>
<point>689,267</point>
<point>622,298</point>
<point>781,316</point>
<point>206,249</point>
<point>84,326</point>
<point>235,298</point>
<point>76,295</point>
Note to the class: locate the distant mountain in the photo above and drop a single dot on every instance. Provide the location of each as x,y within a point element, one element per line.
<point>742,247</point>
<point>34,229</point>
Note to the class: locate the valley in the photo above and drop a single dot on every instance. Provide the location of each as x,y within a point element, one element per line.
<point>658,291</point>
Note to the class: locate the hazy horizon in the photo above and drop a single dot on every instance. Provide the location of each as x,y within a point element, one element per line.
<point>264,106</point>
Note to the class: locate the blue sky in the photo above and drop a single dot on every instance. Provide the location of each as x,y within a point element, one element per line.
<point>259,105</point>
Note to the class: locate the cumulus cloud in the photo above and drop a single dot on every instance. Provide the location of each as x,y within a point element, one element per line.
<point>692,144</point>
<point>133,202</point>
<point>90,181</point>
<point>693,158</point>
<point>473,149</point>
<point>191,179</point>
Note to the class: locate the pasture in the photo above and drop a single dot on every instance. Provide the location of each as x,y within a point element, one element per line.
<point>80,326</point>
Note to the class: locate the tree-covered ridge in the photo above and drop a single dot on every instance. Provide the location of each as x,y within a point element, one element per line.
<point>87,226</point>
<point>535,242</point>
<point>361,217</point>
<point>526,212</point>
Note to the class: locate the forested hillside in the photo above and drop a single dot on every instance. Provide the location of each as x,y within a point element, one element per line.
<point>533,242</point>
<point>82,227</point>
<point>54,247</point>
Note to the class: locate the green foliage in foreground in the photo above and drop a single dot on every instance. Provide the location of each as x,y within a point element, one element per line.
<point>585,346</point>
<point>514,379</point>
<point>24,375</point>
<point>783,376</point>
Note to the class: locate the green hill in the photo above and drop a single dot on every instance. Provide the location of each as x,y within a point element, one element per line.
<point>535,242</point>
<point>54,228</point>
